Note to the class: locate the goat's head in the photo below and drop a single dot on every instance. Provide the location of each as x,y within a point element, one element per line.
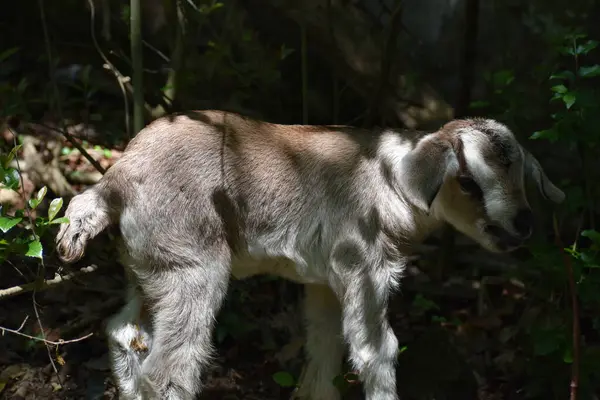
<point>471,173</point>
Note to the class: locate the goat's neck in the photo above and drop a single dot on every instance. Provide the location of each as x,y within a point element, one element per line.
<point>403,221</point>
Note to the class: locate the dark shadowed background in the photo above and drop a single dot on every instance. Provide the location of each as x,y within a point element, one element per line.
<point>471,325</point>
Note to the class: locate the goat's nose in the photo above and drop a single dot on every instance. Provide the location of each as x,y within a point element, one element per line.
<point>523,222</point>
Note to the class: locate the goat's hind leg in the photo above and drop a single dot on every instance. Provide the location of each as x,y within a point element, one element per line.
<point>185,293</point>
<point>129,340</point>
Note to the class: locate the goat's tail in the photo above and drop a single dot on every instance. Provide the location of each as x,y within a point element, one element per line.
<point>88,214</point>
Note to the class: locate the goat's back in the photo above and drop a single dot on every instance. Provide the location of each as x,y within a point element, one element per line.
<point>189,180</point>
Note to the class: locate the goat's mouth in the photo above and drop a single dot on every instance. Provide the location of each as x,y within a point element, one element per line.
<point>503,240</point>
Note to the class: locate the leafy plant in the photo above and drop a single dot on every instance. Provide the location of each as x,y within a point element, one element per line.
<point>284,379</point>
<point>26,240</point>
<point>574,124</point>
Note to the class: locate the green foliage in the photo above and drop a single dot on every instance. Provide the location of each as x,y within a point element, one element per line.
<point>570,109</point>
<point>21,233</point>
<point>421,304</point>
<point>548,333</point>
<point>577,121</point>
<point>284,379</point>
<point>343,382</point>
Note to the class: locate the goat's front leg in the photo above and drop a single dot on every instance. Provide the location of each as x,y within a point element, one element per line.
<point>373,346</point>
<point>324,344</point>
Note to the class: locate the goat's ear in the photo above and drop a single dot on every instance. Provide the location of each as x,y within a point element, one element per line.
<point>423,170</point>
<point>534,170</point>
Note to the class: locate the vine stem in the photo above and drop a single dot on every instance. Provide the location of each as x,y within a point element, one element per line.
<point>575,310</point>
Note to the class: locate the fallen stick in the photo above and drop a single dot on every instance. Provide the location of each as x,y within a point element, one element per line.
<point>29,287</point>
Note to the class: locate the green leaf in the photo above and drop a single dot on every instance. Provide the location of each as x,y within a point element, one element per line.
<point>586,47</point>
<point>503,78</point>
<point>7,53</point>
<point>479,104</point>
<point>568,355</point>
<point>545,344</point>
<point>424,304</point>
<point>34,202</point>
<point>6,160</point>
<point>549,134</point>
<point>589,71</point>
<point>54,208</point>
<point>42,193</point>
<point>34,249</point>
<point>23,83</point>
<point>285,52</point>
<point>587,257</point>
<point>284,379</point>
<point>574,36</point>
<point>351,377</point>
<point>593,235</point>
<point>563,75</point>
<point>7,223</point>
<point>569,100</point>
<point>61,220</point>
<point>340,383</point>
<point>11,179</point>
<point>559,89</point>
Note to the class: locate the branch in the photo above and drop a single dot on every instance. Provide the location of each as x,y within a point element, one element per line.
<point>72,139</point>
<point>55,343</point>
<point>108,65</point>
<point>575,309</point>
<point>41,266</point>
<point>29,287</point>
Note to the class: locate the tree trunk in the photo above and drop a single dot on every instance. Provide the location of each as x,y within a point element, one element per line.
<point>137,61</point>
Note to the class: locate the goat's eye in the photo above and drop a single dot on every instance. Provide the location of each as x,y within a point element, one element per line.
<point>468,185</point>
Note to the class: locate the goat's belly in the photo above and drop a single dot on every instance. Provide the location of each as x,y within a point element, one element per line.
<point>277,266</point>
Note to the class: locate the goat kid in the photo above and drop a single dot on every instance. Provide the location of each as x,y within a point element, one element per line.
<point>201,196</point>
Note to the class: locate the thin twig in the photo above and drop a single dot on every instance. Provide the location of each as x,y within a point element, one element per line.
<point>41,266</point>
<point>57,95</point>
<point>575,309</point>
<point>22,324</point>
<point>76,144</point>
<point>46,341</point>
<point>108,65</point>
<point>28,287</point>
<point>157,51</point>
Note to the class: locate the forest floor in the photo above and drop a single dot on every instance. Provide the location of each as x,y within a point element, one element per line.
<point>455,333</point>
